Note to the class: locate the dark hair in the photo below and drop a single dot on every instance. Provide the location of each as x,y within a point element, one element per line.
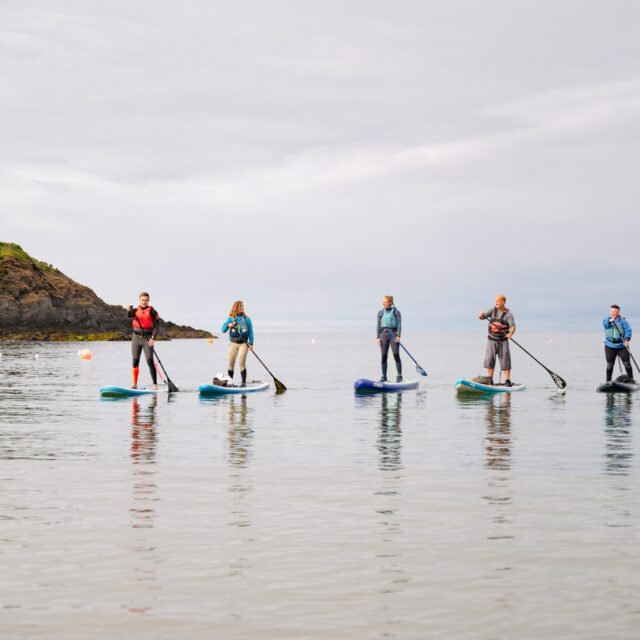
<point>144,293</point>
<point>615,306</point>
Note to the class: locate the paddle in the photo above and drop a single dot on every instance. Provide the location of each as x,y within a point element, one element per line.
<point>279,386</point>
<point>554,376</point>
<point>419,369</point>
<point>625,346</point>
<point>172,387</point>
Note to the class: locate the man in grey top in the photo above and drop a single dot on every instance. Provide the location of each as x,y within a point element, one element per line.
<point>501,327</point>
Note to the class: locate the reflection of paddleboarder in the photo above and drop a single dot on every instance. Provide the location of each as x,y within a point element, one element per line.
<point>143,435</point>
<point>501,327</point>
<point>618,425</point>
<point>146,323</point>
<point>390,435</point>
<point>617,333</point>
<point>498,438</point>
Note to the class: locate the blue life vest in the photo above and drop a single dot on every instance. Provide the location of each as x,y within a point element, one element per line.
<point>389,319</point>
<point>239,332</point>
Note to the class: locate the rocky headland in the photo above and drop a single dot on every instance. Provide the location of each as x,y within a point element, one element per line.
<point>38,302</point>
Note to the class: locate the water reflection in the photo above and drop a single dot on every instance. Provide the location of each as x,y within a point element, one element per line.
<point>497,446</point>
<point>387,500</point>
<point>389,441</point>
<point>143,457</point>
<point>239,432</point>
<point>498,439</point>
<point>239,449</point>
<point>618,453</point>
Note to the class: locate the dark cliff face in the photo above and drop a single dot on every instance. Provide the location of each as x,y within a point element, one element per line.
<point>37,300</point>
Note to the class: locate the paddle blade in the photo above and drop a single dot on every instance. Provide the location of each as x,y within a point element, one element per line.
<point>172,387</point>
<point>558,380</point>
<point>279,386</point>
<point>421,371</point>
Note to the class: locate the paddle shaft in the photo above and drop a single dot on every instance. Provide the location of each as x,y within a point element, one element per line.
<point>555,377</point>
<point>625,346</point>
<point>419,368</point>
<point>172,387</point>
<point>279,385</point>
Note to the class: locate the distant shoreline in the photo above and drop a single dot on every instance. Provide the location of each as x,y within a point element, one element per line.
<point>24,335</point>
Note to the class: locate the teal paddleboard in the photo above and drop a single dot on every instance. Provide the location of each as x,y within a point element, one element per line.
<point>127,392</point>
<point>220,390</point>
<point>470,386</point>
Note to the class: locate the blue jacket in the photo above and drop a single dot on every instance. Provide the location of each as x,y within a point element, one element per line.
<point>247,319</point>
<point>612,337</point>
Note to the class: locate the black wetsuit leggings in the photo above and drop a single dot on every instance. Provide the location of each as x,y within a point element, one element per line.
<point>388,339</point>
<point>139,343</point>
<point>610,354</point>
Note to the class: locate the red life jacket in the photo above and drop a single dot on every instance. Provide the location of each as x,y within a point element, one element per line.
<point>144,318</point>
<point>498,327</point>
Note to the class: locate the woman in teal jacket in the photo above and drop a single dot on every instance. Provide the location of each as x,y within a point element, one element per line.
<point>240,329</point>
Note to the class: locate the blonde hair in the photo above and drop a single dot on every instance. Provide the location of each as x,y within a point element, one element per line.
<point>389,298</point>
<point>501,296</point>
<point>235,309</point>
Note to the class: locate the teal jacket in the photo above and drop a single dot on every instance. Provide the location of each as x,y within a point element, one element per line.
<point>242,332</point>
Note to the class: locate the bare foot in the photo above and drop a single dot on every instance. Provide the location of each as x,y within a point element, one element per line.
<point>134,386</point>
<point>154,387</point>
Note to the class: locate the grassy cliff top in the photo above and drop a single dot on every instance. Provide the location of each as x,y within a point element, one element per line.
<point>16,252</point>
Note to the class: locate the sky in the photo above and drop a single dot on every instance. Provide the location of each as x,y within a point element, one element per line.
<point>309,157</point>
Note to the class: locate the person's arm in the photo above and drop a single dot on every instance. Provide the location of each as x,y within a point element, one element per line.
<point>626,327</point>
<point>225,326</point>
<point>378,327</point>
<point>156,325</point>
<point>131,311</point>
<point>606,323</point>
<point>483,315</point>
<point>250,326</point>
<point>512,325</point>
<point>399,318</point>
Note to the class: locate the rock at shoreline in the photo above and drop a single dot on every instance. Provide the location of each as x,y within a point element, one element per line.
<point>38,302</point>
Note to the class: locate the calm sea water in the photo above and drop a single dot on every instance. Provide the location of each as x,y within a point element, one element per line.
<point>317,514</point>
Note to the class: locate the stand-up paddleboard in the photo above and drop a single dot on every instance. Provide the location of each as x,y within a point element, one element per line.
<point>617,386</point>
<point>220,390</point>
<point>471,386</point>
<point>363,386</point>
<point>127,392</point>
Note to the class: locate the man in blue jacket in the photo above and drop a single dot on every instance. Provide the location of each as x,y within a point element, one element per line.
<point>617,333</point>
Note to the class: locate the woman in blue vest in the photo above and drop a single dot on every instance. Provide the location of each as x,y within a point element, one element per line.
<point>617,333</point>
<point>240,329</point>
<point>388,329</point>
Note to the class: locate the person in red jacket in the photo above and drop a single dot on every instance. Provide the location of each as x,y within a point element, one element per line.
<point>146,323</point>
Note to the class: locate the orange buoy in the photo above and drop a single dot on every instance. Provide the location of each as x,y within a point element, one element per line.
<point>85,354</point>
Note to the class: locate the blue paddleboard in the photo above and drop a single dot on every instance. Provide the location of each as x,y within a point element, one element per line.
<point>220,390</point>
<point>469,386</point>
<point>126,392</point>
<point>363,386</point>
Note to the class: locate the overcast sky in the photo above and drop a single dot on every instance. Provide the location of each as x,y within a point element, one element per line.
<point>308,157</point>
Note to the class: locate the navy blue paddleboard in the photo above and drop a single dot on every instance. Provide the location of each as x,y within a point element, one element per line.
<point>364,386</point>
